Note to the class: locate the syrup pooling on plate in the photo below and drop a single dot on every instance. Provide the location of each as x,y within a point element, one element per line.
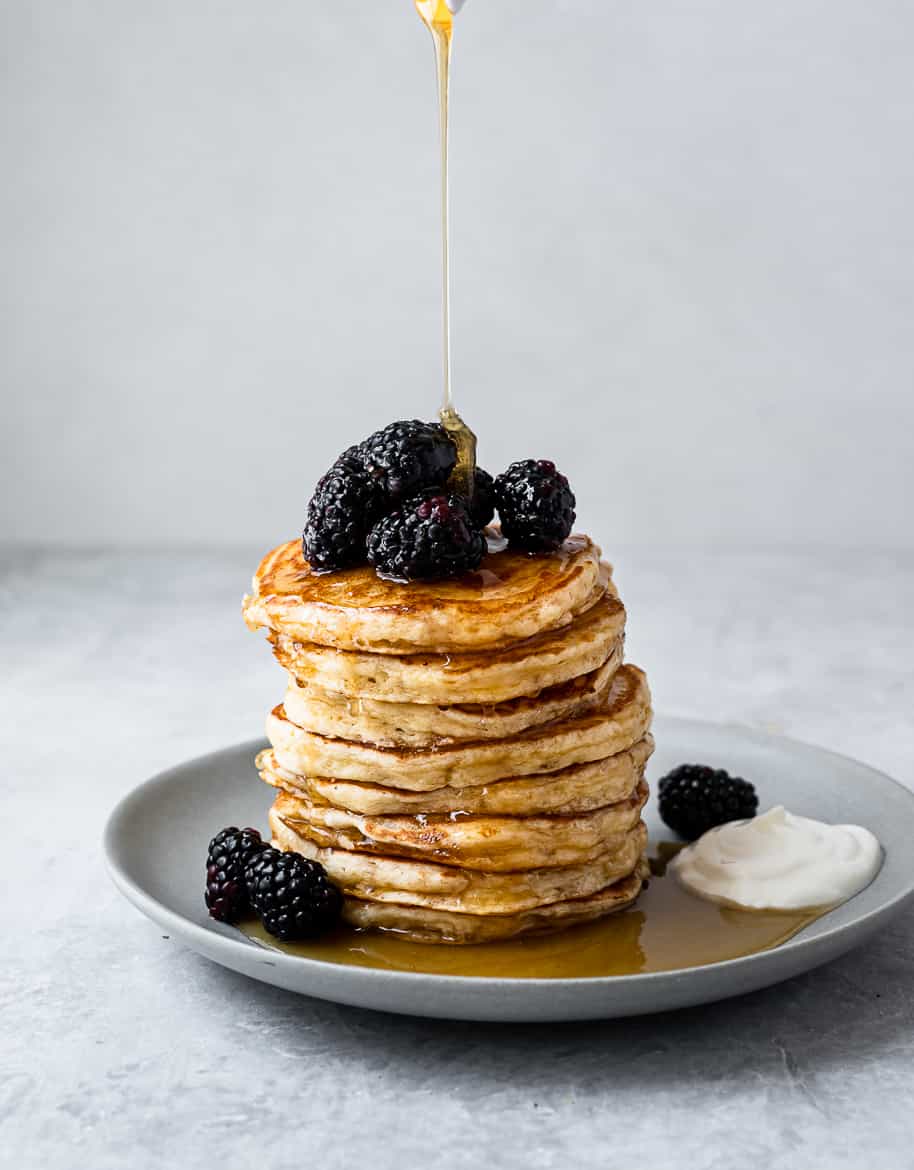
<point>666,930</point>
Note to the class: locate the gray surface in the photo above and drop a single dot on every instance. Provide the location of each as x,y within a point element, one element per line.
<point>155,838</point>
<point>682,261</point>
<point>120,1048</point>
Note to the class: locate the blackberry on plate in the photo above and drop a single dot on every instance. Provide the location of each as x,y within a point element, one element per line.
<point>482,505</point>
<point>292,895</point>
<point>536,505</point>
<point>408,456</point>
<point>345,504</point>
<point>429,538</point>
<point>694,798</point>
<point>230,851</point>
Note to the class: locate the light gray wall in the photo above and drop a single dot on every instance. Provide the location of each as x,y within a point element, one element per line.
<point>683,259</point>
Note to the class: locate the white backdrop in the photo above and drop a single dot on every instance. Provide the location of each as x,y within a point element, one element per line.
<point>683,260</point>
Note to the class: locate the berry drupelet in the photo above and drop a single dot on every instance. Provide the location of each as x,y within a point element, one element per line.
<point>292,895</point>
<point>429,538</point>
<point>694,798</point>
<point>536,505</point>
<point>409,456</point>
<point>230,852</point>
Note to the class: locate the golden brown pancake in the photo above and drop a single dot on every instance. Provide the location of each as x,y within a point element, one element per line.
<point>620,722</point>
<point>421,924</point>
<point>510,597</point>
<point>578,789</point>
<point>522,668</point>
<point>403,881</point>
<point>425,725</point>
<point>493,844</point>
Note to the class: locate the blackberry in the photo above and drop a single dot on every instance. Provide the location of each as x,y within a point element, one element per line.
<point>230,851</point>
<point>407,457</point>
<point>345,504</point>
<point>292,895</point>
<point>694,798</point>
<point>482,505</point>
<point>427,539</point>
<point>536,505</point>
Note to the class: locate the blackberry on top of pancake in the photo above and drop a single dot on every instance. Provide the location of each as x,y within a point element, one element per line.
<point>397,501</point>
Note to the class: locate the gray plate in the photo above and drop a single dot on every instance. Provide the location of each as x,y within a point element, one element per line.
<point>157,836</point>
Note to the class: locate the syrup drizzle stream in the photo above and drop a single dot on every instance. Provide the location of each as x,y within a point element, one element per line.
<point>439,20</point>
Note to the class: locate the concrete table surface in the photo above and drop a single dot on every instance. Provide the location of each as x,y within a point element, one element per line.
<point>118,1048</point>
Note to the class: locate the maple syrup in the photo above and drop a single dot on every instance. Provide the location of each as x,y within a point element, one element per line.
<point>439,19</point>
<point>504,570</point>
<point>667,929</point>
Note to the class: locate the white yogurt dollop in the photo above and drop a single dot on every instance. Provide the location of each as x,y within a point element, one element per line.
<point>779,861</point>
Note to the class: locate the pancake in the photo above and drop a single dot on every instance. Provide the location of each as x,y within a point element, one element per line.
<point>623,719</point>
<point>421,924</point>
<point>493,844</point>
<point>523,668</point>
<point>464,757</point>
<point>511,597</point>
<point>579,788</point>
<point>421,725</point>
<point>401,881</point>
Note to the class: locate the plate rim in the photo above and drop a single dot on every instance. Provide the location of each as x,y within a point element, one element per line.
<point>217,936</point>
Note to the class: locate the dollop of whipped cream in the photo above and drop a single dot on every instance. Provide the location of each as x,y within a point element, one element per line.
<point>778,861</point>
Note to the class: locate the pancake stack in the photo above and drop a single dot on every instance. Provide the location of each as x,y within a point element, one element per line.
<point>465,758</point>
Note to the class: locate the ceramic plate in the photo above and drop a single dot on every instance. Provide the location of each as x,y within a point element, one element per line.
<point>157,837</point>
